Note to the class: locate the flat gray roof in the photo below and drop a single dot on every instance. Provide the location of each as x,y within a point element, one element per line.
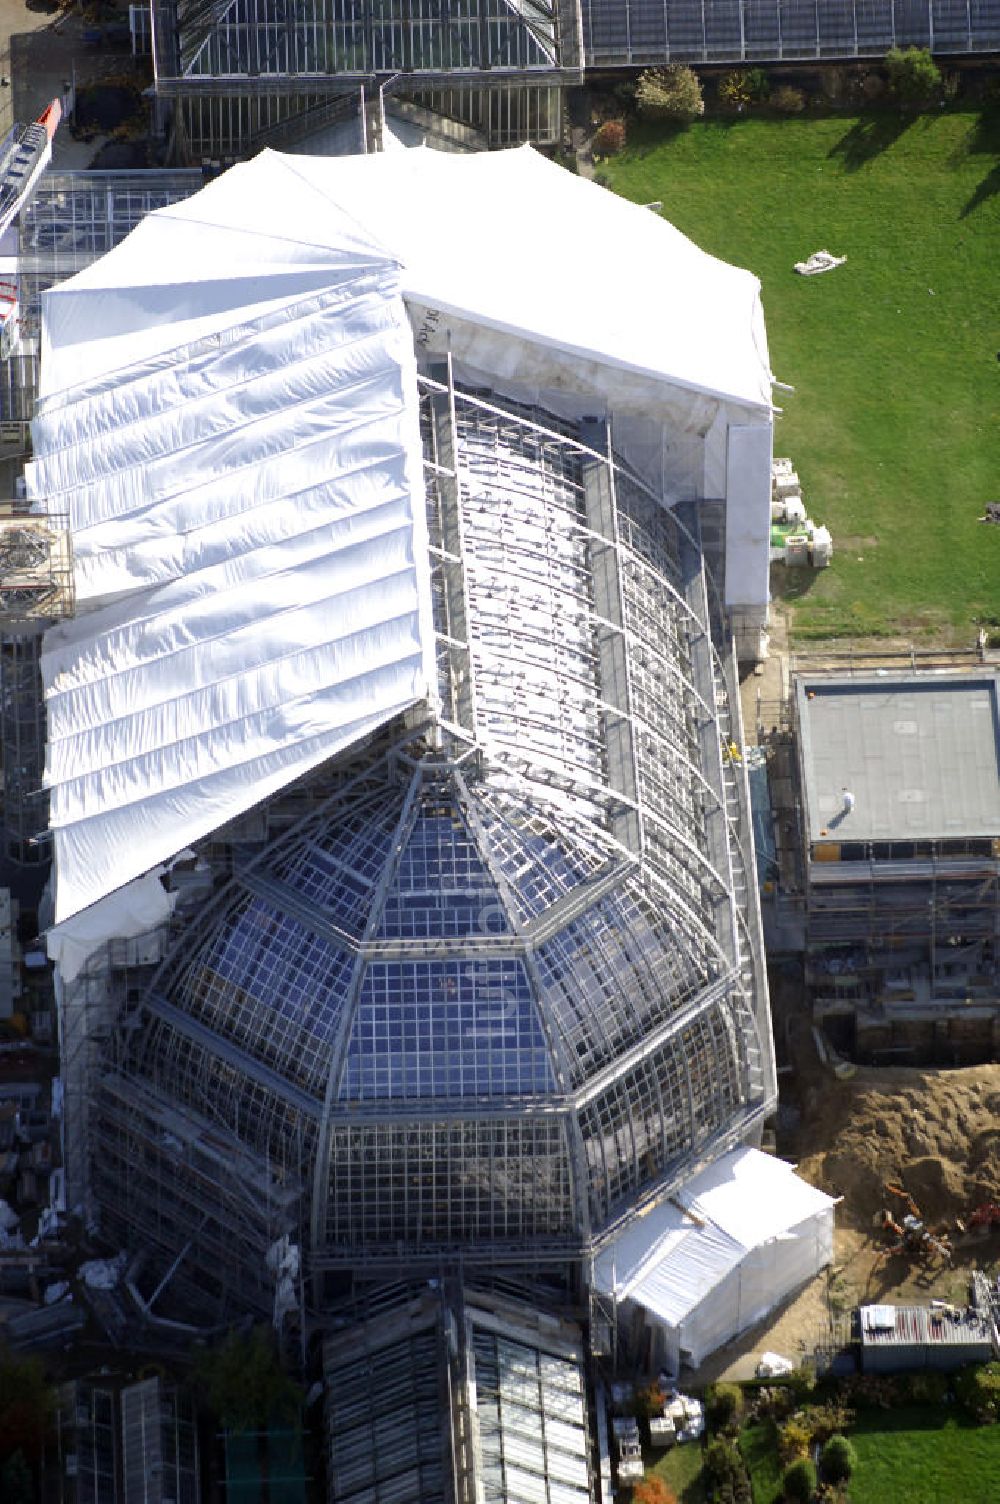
<point>919,752</point>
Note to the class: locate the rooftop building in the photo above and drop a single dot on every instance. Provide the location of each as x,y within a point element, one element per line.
<point>900,778</point>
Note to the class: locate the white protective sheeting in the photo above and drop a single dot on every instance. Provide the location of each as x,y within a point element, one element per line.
<point>135,909</point>
<point>737,1239</point>
<point>228,415</point>
<point>248,525</point>
<point>474,234</point>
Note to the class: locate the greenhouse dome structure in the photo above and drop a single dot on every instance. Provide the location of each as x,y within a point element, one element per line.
<point>404,660</point>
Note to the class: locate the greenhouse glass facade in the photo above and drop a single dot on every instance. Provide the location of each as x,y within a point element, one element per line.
<point>486,984</point>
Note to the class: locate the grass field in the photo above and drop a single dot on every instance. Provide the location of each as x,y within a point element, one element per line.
<point>681,1468</point>
<point>907,1456</point>
<point>924,1457</point>
<point>894,422</point>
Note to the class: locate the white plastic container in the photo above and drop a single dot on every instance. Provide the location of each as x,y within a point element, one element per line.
<point>822,547</point>
<point>795,509</point>
<point>796,550</point>
<point>787,485</point>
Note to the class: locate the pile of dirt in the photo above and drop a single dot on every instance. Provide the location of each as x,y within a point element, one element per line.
<point>935,1133</point>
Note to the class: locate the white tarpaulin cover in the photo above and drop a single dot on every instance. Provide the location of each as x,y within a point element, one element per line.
<point>476,235</point>
<point>248,522</point>
<point>727,1249</point>
<point>135,909</point>
<point>228,415</point>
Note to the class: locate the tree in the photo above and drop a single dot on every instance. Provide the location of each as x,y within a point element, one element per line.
<point>800,1481</point>
<point>243,1383</point>
<point>723,1403</point>
<point>914,76</point>
<point>837,1459</point>
<point>788,100</point>
<point>17,1485</point>
<point>671,93</point>
<point>609,138</point>
<point>26,1406</point>
<point>653,1490</point>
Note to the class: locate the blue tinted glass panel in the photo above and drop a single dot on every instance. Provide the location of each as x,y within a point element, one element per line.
<point>442,886</point>
<point>446,1029</point>
<point>274,987</point>
<point>338,869</point>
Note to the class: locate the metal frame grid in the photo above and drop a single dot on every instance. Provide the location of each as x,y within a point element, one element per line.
<point>498,982</point>
<point>73,218</point>
<point>159,1445</point>
<point>638,32</point>
<point>274,45</point>
<point>83,1429</point>
<point>458,1395</point>
<point>250,72</point>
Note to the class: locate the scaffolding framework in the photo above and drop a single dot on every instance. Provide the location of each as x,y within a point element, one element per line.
<point>499,983</point>
<point>902,922</point>
<point>36,591</point>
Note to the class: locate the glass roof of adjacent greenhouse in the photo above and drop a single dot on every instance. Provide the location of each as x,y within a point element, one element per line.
<point>260,40</point>
<point>707,31</point>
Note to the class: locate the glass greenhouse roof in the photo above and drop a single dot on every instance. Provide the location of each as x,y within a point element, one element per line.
<point>494,983</point>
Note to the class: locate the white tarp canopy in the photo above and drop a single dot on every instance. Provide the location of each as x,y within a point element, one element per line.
<point>739,1237</point>
<point>249,530</point>
<point>506,240</point>
<point>228,416</point>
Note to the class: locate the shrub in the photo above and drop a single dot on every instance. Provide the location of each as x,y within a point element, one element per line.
<point>923,1389</point>
<point>793,1440</point>
<point>802,1384</point>
<point>826,1420</point>
<point>723,1405</point>
<point>733,90</point>
<point>873,1391</point>
<point>788,101</point>
<point>978,1389</point>
<point>653,1490</point>
<point>758,85</point>
<point>726,1474</point>
<point>837,1460</point>
<point>609,139</point>
<point>649,1401</point>
<point>671,93</point>
<point>800,1481</point>
<point>914,76</point>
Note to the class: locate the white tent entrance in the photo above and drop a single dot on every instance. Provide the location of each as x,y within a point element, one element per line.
<point>708,1264</point>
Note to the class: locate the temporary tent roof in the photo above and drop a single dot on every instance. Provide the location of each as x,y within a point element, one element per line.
<point>229,417</point>
<point>680,1256</point>
<point>475,235</point>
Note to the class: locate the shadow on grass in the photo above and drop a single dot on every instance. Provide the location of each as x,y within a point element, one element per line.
<point>869,136</point>
<point>912,1418</point>
<point>985,141</point>
<point>792,584</point>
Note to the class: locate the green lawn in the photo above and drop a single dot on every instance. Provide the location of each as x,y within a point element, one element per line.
<point>914,1455</point>
<point>918,1456</point>
<point>894,422</point>
<point>680,1466</point>
<point>757,1443</point>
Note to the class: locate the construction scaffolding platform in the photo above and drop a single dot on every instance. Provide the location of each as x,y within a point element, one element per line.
<point>36,591</point>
